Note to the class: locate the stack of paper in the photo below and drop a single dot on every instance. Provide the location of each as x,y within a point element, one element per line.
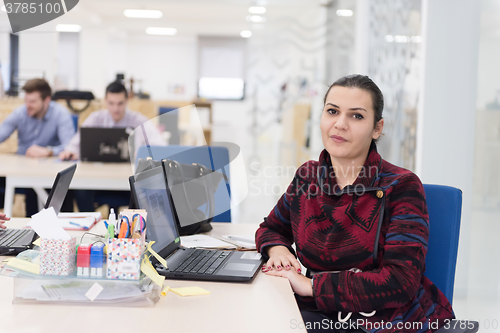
<point>215,241</point>
<point>206,242</point>
<point>79,221</point>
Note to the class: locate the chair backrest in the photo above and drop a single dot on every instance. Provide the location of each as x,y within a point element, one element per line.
<point>215,158</point>
<point>444,204</point>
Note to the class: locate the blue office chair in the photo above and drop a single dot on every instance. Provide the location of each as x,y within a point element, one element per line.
<point>444,204</point>
<point>215,158</point>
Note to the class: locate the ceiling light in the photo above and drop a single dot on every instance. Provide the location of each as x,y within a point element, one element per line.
<point>416,39</point>
<point>142,13</point>
<point>68,28</point>
<point>256,18</point>
<point>401,39</point>
<point>246,34</point>
<point>389,38</point>
<point>344,12</point>
<point>257,10</point>
<point>161,31</point>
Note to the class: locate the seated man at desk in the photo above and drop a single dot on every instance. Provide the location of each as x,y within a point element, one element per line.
<point>44,128</point>
<point>116,115</point>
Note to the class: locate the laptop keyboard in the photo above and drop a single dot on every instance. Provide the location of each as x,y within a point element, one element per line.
<point>203,262</point>
<point>10,236</point>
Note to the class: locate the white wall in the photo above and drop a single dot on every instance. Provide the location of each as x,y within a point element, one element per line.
<point>5,58</point>
<point>38,53</point>
<point>488,85</point>
<point>446,120</point>
<point>93,51</point>
<point>163,62</point>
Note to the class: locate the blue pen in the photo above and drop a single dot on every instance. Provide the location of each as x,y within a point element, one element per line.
<point>78,225</point>
<point>106,224</point>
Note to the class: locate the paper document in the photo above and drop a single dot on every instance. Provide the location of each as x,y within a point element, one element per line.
<point>78,221</point>
<point>46,225</point>
<point>241,242</point>
<point>206,242</point>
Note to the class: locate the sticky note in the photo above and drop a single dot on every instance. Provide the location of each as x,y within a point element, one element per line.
<point>148,269</point>
<point>190,291</point>
<point>165,291</point>
<point>156,255</point>
<point>24,265</point>
<point>94,291</point>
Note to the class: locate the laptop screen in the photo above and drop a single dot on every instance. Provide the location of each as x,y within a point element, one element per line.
<point>151,194</point>
<point>60,188</point>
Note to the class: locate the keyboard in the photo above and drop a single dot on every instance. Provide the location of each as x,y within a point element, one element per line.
<point>202,261</point>
<point>8,237</point>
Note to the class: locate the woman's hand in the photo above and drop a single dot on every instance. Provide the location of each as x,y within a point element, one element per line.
<point>280,257</point>
<point>3,218</point>
<point>300,284</point>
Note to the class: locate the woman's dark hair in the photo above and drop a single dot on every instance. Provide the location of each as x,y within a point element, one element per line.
<point>116,87</point>
<point>365,83</point>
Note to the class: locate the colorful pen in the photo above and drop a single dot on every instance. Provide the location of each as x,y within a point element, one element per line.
<point>78,225</point>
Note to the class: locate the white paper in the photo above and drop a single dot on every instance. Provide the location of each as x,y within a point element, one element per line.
<point>94,291</point>
<point>251,256</point>
<point>204,241</point>
<point>244,241</point>
<point>46,225</point>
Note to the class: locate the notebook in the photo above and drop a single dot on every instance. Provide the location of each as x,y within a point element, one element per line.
<point>13,241</point>
<point>99,144</point>
<point>150,190</point>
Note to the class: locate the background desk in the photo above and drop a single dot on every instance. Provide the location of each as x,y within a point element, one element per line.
<point>22,171</point>
<point>265,305</point>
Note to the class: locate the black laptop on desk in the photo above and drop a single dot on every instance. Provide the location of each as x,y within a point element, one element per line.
<point>99,144</point>
<point>152,193</point>
<point>13,241</point>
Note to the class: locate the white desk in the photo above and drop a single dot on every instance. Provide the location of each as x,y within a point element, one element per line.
<point>22,171</point>
<point>265,305</point>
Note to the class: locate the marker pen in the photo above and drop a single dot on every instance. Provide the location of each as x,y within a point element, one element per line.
<point>96,260</point>
<point>83,260</point>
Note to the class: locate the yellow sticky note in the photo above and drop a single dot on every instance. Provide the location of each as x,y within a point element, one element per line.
<point>37,242</point>
<point>24,265</point>
<point>165,291</point>
<point>156,255</point>
<point>150,272</point>
<point>190,291</point>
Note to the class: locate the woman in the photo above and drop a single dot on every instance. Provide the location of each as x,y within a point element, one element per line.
<point>3,218</point>
<point>360,226</point>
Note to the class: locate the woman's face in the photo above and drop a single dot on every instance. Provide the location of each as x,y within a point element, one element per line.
<point>347,123</point>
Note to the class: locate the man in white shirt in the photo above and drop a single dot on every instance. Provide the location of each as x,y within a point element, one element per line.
<point>116,115</point>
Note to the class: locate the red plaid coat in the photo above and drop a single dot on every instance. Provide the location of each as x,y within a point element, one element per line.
<point>336,230</point>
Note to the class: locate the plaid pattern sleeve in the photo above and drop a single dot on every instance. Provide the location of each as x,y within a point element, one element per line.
<point>277,228</point>
<point>401,262</point>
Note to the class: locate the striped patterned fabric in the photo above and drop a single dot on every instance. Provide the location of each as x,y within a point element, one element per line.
<point>336,230</point>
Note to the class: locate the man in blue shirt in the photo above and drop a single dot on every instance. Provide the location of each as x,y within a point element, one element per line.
<point>44,127</point>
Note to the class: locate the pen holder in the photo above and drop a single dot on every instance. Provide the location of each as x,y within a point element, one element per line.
<point>57,257</point>
<point>124,258</point>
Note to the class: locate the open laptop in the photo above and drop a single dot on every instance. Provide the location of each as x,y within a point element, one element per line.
<point>152,193</point>
<point>13,241</point>
<point>104,144</point>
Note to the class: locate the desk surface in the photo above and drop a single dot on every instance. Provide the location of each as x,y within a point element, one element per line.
<point>265,305</point>
<point>21,171</point>
<point>20,165</point>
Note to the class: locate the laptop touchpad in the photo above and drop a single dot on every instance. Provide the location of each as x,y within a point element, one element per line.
<point>239,267</point>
